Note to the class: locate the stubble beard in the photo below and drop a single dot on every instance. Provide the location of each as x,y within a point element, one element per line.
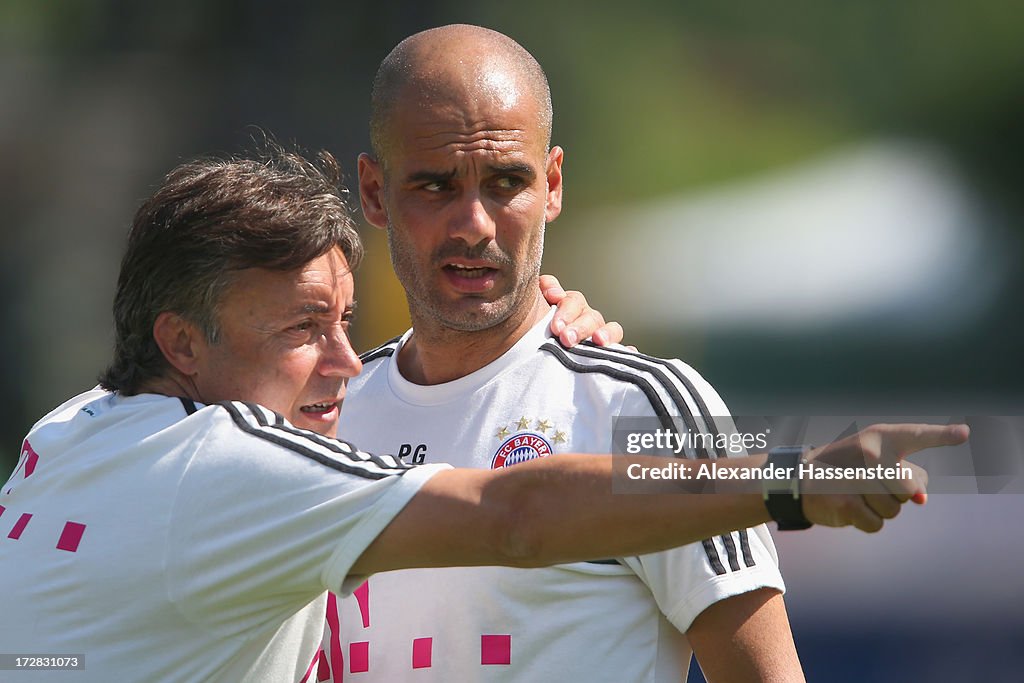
<point>426,304</point>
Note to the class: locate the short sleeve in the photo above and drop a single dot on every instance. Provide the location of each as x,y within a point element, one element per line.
<point>268,516</point>
<point>687,580</point>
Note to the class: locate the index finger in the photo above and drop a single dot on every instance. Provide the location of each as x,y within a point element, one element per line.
<point>904,439</point>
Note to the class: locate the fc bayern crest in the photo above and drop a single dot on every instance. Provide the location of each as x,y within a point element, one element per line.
<point>520,448</point>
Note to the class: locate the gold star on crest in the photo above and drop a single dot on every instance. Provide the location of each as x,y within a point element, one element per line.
<point>502,433</point>
<point>543,426</point>
<point>560,437</point>
<point>523,423</point>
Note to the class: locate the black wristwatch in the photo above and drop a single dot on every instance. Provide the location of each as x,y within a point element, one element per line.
<point>782,493</point>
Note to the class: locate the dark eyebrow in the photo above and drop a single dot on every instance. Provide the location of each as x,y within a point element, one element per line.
<point>513,169</point>
<point>430,177</point>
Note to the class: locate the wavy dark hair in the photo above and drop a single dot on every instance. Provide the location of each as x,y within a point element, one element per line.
<point>212,217</point>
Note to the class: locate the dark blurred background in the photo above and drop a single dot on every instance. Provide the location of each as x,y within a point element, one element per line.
<point>816,204</point>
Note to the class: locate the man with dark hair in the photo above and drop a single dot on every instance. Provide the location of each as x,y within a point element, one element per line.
<point>219,217</point>
<point>185,527</point>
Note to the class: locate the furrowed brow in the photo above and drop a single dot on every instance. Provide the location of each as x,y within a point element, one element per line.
<point>513,168</point>
<point>430,177</point>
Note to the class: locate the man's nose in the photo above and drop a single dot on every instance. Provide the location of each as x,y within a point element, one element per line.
<point>472,222</point>
<point>338,358</point>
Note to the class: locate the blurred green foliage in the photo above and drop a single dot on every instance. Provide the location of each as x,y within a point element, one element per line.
<point>650,97</point>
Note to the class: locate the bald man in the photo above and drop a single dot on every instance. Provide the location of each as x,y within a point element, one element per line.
<point>464,180</point>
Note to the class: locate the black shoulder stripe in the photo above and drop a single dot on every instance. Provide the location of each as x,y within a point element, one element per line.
<point>608,561</point>
<point>343,464</point>
<point>343,448</point>
<point>656,403</point>
<point>261,414</point>
<point>626,357</point>
<point>748,557</point>
<point>385,349</point>
<point>188,404</point>
<point>658,374</point>
<point>697,398</point>
<point>730,551</point>
<point>659,408</point>
<point>713,559</point>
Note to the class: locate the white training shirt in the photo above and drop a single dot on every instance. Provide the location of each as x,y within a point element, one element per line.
<point>165,541</point>
<point>609,621</point>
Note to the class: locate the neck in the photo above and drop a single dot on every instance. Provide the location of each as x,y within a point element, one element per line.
<point>435,354</point>
<point>172,384</point>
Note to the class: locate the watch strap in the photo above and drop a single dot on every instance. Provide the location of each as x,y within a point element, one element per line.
<point>782,493</point>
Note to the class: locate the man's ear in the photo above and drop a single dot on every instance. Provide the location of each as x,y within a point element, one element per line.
<point>180,341</point>
<point>371,191</point>
<point>553,205</point>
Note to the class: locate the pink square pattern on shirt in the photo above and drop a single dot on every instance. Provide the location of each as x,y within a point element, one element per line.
<point>71,537</point>
<point>359,657</point>
<point>495,649</point>
<point>421,653</point>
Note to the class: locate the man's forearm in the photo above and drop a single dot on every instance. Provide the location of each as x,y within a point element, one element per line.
<point>565,509</point>
<point>553,510</point>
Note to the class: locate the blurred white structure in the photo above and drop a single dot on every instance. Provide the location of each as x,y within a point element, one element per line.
<point>884,232</point>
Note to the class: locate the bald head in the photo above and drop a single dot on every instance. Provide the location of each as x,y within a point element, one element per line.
<point>456,65</point>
